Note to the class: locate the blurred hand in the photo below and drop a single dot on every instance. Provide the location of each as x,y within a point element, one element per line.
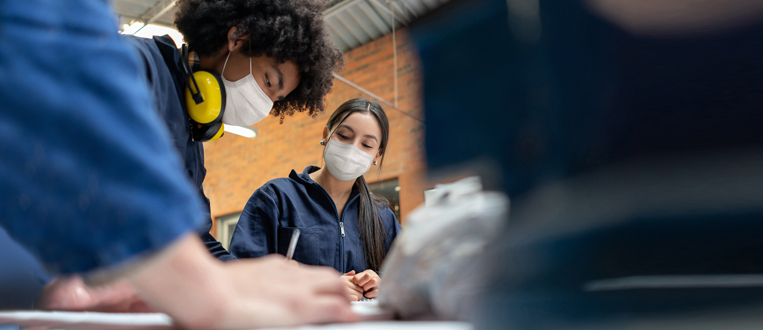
<point>368,281</point>
<point>278,293</point>
<point>72,294</point>
<point>354,292</point>
<point>201,292</point>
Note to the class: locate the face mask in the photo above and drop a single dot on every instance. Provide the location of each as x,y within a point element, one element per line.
<point>345,161</point>
<point>246,103</point>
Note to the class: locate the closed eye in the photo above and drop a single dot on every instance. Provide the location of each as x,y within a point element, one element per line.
<point>343,137</point>
<point>367,146</point>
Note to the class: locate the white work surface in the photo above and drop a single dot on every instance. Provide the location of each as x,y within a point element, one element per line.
<point>111,321</point>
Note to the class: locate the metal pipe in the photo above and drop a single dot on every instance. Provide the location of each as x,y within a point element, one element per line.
<point>372,95</point>
<point>394,54</point>
<point>389,11</point>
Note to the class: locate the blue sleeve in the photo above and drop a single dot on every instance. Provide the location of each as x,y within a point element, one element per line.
<point>88,178</point>
<point>213,245</point>
<point>391,225</point>
<point>163,86</point>
<point>256,230</point>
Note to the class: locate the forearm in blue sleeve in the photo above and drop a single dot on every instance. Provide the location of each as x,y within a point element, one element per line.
<point>88,178</point>
<point>213,245</point>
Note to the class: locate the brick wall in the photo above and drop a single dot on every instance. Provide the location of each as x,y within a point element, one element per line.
<point>237,166</point>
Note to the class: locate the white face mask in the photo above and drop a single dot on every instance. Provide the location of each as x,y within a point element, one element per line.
<point>346,162</point>
<point>245,102</point>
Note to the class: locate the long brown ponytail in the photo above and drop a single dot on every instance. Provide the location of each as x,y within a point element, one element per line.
<point>369,220</point>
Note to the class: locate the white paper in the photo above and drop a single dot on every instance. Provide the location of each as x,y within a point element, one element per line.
<point>106,321</point>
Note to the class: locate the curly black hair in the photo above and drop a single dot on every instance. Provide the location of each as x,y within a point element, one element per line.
<point>287,30</point>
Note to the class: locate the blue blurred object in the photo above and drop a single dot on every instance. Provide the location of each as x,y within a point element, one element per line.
<point>584,94</point>
<point>633,163</point>
<point>21,276</point>
<point>490,97</point>
<point>88,177</point>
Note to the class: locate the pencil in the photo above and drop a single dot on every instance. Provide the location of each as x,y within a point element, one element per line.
<point>292,244</point>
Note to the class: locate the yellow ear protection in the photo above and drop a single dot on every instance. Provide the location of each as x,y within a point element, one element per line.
<point>204,100</point>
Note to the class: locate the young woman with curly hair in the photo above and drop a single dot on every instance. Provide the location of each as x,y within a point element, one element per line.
<point>274,56</point>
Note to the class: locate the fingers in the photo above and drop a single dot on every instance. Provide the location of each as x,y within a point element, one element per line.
<point>273,269</point>
<point>371,284</point>
<point>367,280</point>
<point>306,271</point>
<point>95,302</point>
<point>365,276</point>
<point>326,309</point>
<point>372,293</point>
<point>285,295</point>
<point>71,293</point>
<point>329,284</point>
<point>65,293</point>
<point>347,281</point>
<point>140,307</point>
<point>354,295</point>
<point>352,291</point>
<point>356,288</point>
<point>362,278</point>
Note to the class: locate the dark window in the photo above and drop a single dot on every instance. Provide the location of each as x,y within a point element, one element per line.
<point>390,190</point>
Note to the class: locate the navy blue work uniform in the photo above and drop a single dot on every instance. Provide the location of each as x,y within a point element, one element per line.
<point>88,176</point>
<point>160,59</point>
<point>279,206</point>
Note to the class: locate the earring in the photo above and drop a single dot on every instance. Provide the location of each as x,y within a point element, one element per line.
<point>321,142</point>
<point>376,163</point>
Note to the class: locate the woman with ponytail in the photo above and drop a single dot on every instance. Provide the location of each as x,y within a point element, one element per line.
<point>342,224</point>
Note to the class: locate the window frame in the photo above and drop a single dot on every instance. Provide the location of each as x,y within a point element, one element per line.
<point>223,223</point>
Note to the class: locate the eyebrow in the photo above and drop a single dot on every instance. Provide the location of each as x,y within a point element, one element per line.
<point>353,131</point>
<point>280,77</point>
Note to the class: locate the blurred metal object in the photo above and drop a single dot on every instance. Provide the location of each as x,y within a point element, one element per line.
<point>351,23</point>
<point>524,19</point>
<point>433,269</point>
<point>627,155</point>
<point>675,282</point>
<point>374,96</point>
<point>679,17</point>
<point>244,131</point>
<point>154,12</point>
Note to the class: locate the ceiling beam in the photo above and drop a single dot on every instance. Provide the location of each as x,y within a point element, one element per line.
<point>159,9</point>
<point>383,7</point>
<point>339,8</point>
